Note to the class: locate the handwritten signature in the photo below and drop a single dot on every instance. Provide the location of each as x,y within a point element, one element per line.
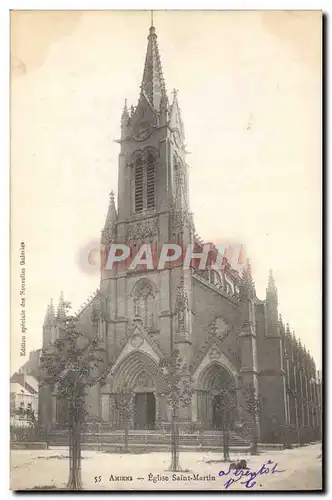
<point>246,476</point>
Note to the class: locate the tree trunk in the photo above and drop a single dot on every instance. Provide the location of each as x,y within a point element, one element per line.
<point>175,463</point>
<point>126,432</point>
<point>225,443</point>
<point>75,478</point>
<point>254,445</point>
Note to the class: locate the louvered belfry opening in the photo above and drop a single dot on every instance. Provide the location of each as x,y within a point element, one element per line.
<point>138,185</point>
<point>150,183</point>
<point>145,184</point>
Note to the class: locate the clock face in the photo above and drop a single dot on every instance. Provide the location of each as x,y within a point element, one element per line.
<point>142,132</point>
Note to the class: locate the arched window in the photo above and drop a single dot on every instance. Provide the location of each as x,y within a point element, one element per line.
<point>138,185</point>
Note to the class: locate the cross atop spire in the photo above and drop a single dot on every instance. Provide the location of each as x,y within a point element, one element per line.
<point>153,84</point>
<point>151,18</point>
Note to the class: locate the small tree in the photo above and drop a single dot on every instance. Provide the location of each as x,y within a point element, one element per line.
<point>67,367</point>
<point>176,380</point>
<point>30,414</point>
<point>253,408</point>
<point>21,411</point>
<point>225,406</point>
<point>124,404</point>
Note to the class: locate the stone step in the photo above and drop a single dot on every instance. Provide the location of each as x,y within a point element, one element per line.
<point>146,438</point>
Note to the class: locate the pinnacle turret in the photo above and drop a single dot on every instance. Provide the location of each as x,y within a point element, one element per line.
<point>271,291</point>
<point>108,231</point>
<point>61,311</point>
<point>125,114</point>
<point>47,316</point>
<point>52,313</point>
<point>247,280</point>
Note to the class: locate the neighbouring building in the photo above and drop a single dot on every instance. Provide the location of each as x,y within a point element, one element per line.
<point>23,393</point>
<point>214,318</point>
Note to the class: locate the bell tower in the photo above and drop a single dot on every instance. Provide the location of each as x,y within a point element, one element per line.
<point>152,208</point>
<point>152,167</point>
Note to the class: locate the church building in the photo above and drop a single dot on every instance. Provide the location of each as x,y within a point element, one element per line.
<point>213,317</point>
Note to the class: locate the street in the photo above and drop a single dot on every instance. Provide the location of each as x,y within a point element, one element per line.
<point>297,469</point>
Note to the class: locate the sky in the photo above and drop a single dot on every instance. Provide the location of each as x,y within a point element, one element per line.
<point>250,95</point>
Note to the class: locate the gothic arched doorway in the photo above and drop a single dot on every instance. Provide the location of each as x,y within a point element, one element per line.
<point>217,401</point>
<point>138,375</point>
<point>144,411</point>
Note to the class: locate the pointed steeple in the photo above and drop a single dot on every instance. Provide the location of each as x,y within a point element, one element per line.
<point>125,114</point>
<point>288,332</point>
<point>107,233</point>
<point>153,84</point>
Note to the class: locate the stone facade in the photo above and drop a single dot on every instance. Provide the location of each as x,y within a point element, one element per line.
<point>213,317</point>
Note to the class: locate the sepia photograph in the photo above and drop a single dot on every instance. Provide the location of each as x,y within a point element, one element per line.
<point>166,250</point>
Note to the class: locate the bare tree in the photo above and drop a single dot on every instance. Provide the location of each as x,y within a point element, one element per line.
<point>124,404</point>
<point>225,406</point>
<point>67,367</point>
<point>176,379</point>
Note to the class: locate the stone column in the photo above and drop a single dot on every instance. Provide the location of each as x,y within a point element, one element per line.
<point>54,408</point>
<point>194,407</point>
<point>93,401</point>
<point>105,407</point>
<point>248,369</point>
<point>112,418</point>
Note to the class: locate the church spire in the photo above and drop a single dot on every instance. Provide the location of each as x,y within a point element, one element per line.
<point>153,84</point>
